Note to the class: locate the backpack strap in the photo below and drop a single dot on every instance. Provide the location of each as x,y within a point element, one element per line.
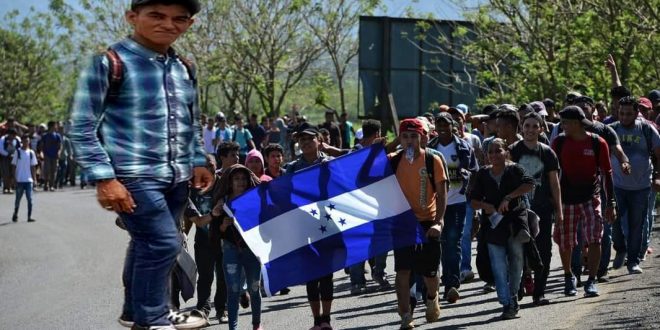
<point>115,74</point>
<point>595,145</point>
<point>394,162</point>
<point>559,145</point>
<point>428,161</point>
<point>190,67</point>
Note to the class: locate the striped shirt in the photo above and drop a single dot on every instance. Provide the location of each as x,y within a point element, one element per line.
<point>150,130</point>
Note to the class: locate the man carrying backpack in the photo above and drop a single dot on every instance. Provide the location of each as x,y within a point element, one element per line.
<point>135,131</point>
<point>640,140</point>
<point>461,162</point>
<point>583,157</point>
<point>427,195</point>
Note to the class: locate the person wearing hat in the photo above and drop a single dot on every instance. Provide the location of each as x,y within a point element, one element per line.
<point>319,291</point>
<point>584,160</point>
<point>137,156</point>
<point>586,104</point>
<point>428,201</point>
<point>461,163</point>
<point>646,110</point>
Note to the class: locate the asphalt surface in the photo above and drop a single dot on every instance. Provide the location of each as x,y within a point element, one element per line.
<point>64,272</point>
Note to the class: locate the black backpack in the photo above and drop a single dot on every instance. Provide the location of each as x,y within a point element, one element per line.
<point>394,163</point>
<point>595,145</point>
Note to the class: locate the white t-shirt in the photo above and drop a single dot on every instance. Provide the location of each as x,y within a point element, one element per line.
<point>208,135</point>
<point>23,164</point>
<point>455,181</point>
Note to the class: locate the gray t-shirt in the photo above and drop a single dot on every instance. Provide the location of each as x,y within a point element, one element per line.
<point>634,144</point>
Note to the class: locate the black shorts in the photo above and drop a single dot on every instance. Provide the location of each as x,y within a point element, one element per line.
<point>423,259</point>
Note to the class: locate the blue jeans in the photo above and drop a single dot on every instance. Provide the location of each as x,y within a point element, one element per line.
<point>648,224</point>
<point>450,240</point>
<point>466,240</point>
<point>23,187</point>
<point>238,260</point>
<point>507,264</point>
<point>633,212</point>
<point>356,271</point>
<point>155,243</point>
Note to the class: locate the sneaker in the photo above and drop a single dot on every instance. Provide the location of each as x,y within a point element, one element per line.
<point>245,300</point>
<point>508,313</point>
<point>325,326</point>
<point>186,321</point>
<point>222,317</point>
<point>540,301</point>
<point>635,269</point>
<point>570,286</point>
<point>489,287</point>
<point>407,322</point>
<point>14,218</point>
<point>153,327</point>
<point>467,276</point>
<point>202,314</point>
<point>590,289</point>
<point>257,327</point>
<point>357,289</point>
<point>31,220</point>
<point>125,320</point>
<point>383,283</point>
<point>453,295</point>
<point>432,309</point>
<point>619,260</point>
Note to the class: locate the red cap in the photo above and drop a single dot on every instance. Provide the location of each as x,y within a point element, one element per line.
<point>646,103</point>
<point>411,125</point>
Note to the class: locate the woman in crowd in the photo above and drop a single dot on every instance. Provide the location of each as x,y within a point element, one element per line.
<point>237,256</point>
<point>498,190</point>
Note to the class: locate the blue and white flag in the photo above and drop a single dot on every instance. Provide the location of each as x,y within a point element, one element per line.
<point>325,218</point>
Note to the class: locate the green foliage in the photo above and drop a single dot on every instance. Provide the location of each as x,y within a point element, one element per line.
<point>529,50</point>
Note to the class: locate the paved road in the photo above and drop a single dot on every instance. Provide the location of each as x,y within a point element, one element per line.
<point>64,272</point>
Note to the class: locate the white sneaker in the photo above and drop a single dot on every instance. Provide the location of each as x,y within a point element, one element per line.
<point>186,321</point>
<point>635,270</point>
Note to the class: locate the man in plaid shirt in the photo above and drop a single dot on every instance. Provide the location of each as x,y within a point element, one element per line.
<point>142,146</point>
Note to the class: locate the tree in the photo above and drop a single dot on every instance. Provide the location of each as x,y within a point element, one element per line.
<point>524,50</point>
<point>270,47</point>
<point>334,23</point>
<point>33,63</point>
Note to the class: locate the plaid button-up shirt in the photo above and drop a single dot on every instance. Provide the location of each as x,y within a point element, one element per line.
<point>150,130</point>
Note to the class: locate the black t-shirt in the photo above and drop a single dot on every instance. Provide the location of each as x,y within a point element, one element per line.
<point>335,133</point>
<point>607,133</point>
<point>537,164</point>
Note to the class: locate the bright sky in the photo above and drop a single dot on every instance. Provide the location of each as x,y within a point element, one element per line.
<point>440,8</point>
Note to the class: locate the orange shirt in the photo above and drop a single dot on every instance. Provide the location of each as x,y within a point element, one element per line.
<point>415,184</point>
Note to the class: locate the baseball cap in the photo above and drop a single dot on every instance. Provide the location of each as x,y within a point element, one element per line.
<point>443,108</point>
<point>539,108</point>
<point>584,99</point>
<point>310,130</point>
<point>571,96</point>
<point>654,96</point>
<point>445,117</point>
<point>411,125</point>
<point>575,113</point>
<point>192,5</point>
<point>462,108</point>
<point>457,112</point>
<point>645,103</point>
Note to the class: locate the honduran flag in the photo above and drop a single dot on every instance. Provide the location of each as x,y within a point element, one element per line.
<point>306,225</point>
